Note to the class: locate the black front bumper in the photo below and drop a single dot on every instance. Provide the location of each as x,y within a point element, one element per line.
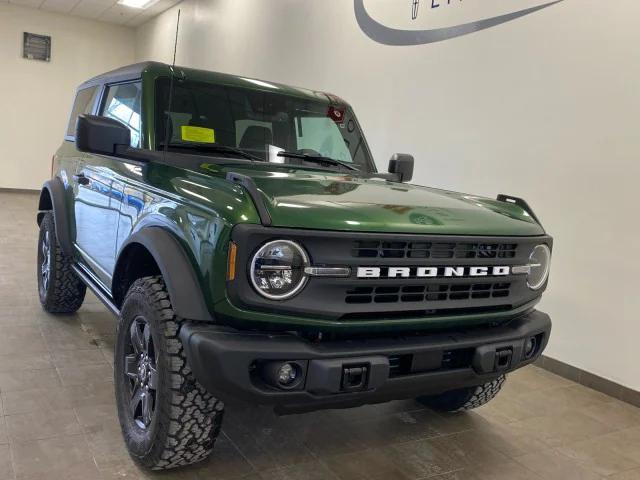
<point>229,363</point>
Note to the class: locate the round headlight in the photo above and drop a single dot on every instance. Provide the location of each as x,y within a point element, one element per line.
<point>277,269</point>
<point>539,263</point>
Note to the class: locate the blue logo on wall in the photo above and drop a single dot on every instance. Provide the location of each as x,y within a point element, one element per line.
<point>392,36</point>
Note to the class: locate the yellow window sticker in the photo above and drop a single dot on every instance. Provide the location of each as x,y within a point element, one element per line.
<point>198,134</point>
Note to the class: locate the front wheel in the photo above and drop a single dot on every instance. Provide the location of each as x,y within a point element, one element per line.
<point>167,418</point>
<point>464,398</point>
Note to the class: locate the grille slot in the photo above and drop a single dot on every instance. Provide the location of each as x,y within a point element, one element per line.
<point>428,293</point>
<point>435,250</point>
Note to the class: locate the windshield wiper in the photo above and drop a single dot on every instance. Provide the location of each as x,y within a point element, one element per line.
<point>317,159</point>
<point>214,147</point>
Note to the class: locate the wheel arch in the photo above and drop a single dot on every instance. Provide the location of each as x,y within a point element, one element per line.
<point>155,251</point>
<point>52,198</point>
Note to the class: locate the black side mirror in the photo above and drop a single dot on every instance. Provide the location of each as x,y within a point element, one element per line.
<point>401,164</point>
<point>101,135</point>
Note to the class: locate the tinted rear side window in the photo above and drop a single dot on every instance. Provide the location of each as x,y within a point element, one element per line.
<point>83,104</point>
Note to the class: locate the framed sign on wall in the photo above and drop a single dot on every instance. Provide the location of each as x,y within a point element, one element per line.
<point>36,47</point>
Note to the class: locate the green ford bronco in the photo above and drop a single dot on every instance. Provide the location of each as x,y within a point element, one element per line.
<point>252,252</point>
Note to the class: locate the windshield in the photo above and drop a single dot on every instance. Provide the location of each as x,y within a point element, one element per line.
<point>211,119</point>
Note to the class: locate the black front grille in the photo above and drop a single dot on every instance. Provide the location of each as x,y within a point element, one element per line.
<point>398,296</point>
<point>429,293</point>
<point>434,250</point>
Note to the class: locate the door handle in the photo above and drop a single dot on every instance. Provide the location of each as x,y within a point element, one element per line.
<point>81,179</point>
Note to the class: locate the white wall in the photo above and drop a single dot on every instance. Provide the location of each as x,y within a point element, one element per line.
<point>36,97</point>
<point>546,107</point>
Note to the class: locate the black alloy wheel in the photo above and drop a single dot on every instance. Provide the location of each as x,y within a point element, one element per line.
<point>45,262</point>
<point>141,371</point>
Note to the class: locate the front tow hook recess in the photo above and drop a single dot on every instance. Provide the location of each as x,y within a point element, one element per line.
<point>503,359</point>
<point>354,378</point>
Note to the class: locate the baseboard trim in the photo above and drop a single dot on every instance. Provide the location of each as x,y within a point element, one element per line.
<point>590,380</point>
<point>18,190</point>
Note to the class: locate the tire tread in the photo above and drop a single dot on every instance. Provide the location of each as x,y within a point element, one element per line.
<point>66,290</point>
<point>186,432</point>
<point>465,399</point>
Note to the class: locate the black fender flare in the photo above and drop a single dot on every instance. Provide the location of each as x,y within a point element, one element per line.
<point>177,271</point>
<point>56,191</point>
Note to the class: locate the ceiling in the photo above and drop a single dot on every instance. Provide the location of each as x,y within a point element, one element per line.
<point>103,10</point>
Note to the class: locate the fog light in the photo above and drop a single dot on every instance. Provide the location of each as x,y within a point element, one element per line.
<point>530,347</point>
<point>284,375</point>
<point>287,374</point>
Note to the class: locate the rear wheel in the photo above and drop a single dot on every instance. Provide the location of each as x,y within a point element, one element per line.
<point>464,398</point>
<point>168,419</point>
<point>59,288</point>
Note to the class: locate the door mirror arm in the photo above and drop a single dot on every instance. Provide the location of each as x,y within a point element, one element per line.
<point>125,152</point>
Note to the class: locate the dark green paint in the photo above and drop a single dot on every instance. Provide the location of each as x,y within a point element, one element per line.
<point>200,207</point>
<point>335,201</point>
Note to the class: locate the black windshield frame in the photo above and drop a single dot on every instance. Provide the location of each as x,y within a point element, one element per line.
<point>185,101</point>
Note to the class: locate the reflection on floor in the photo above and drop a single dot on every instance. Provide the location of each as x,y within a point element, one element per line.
<point>59,421</point>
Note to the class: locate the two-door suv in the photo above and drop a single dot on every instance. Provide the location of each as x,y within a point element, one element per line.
<point>252,252</point>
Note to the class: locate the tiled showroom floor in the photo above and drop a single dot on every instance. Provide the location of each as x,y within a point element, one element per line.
<point>59,421</point>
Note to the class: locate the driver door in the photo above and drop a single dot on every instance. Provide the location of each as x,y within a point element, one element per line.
<point>100,187</point>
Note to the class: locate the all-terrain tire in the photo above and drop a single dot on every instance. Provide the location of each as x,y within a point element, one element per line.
<point>59,288</point>
<point>464,398</point>
<point>186,419</point>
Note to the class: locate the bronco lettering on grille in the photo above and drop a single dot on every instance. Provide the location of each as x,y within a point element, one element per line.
<point>431,272</point>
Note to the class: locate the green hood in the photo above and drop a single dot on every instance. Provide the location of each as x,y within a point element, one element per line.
<point>333,201</point>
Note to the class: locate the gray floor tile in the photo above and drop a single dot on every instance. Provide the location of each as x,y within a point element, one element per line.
<point>6,465</point>
<point>495,471</point>
<point>422,458</point>
<point>77,358</point>
<point>305,471</point>
<point>628,475</point>
<point>29,379</point>
<point>106,445</point>
<point>34,400</point>
<point>25,361</point>
<point>599,456</point>
<point>41,424</point>
<point>368,464</point>
<point>552,465</point>
<point>568,427</point>
<point>4,437</point>
<point>57,457</point>
<point>614,413</point>
<point>86,374</point>
<point>626,442</point>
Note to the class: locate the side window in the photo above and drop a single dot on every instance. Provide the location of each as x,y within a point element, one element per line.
<point>83,104</point>
<point>122,103</point>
